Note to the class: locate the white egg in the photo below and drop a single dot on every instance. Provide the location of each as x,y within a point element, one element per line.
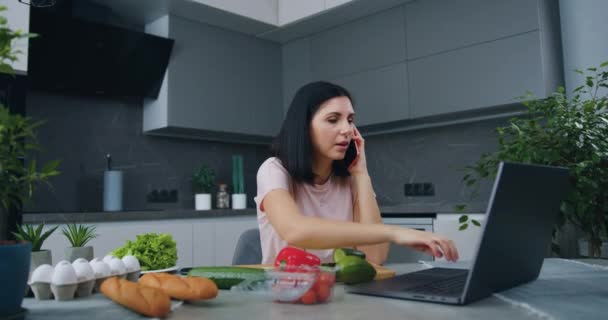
<point>108,258</point>
<point>100,268</point>
<point>117,267</point>
<point>84,271</point>
<point>131,263</point>
<point>44,273</point>
<point>64,274</point>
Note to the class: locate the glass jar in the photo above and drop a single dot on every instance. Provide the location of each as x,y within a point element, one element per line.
<point>223,198</point>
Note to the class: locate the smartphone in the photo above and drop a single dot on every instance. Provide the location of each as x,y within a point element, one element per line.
<point>352,153</point>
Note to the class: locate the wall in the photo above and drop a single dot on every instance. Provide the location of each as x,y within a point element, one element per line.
<point>584,37</point>
<point>434,155</point>
<point>81,130</point>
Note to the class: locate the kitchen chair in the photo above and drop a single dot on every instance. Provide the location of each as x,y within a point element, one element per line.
<point>248,249</point>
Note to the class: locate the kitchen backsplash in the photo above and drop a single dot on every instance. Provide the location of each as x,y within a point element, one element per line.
<point>437,155</point>
<point>81,130</point>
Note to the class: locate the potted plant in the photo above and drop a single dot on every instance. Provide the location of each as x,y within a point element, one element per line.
<point>78,236</point>
<point>13,275</point>
<point>202,185</point>
<point>239,198</point>
<point>35,236</point>
<point>18,178</point>
<point>570,132</point>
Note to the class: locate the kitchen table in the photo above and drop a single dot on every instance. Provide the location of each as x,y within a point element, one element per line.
<point>229,305</point>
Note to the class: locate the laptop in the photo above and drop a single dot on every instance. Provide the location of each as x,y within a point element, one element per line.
<point>523,208</point>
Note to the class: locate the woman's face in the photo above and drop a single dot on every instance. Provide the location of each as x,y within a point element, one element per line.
<point>331,128</point>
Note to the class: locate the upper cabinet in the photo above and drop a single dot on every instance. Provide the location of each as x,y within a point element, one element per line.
<point>408,64</point>
<point>366,56</point>
<point>435,26</point>
<point>434,60</point>
<point>461,59</point>
<point>220,85</point>
<point>18,18</point>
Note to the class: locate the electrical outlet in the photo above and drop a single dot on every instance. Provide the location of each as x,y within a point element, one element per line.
<point>419,189</point>
<point>162,196</point>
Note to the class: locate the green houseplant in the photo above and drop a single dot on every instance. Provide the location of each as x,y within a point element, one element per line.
<point>571,132</point>
<point>79,235</point>
<point>17,181</point>
<point>203,181</point>
<point>239,198</point>
<point>18,175</point>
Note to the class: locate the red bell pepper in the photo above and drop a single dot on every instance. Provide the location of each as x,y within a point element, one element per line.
<point>291,257</point>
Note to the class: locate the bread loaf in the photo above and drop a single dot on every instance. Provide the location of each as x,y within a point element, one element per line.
<point>145,300</point>
<point>188,288</point>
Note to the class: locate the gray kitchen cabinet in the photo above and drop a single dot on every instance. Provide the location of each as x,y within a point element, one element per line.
<point>485,75</point>
<point>366,56</point>
<point>365,44</point>
<point>220,85</point>
<point>296,68</point>
<point>435,26</point>
<point>380,95</point>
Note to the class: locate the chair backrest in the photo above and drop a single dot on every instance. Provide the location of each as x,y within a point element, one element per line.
<point>248,249</point>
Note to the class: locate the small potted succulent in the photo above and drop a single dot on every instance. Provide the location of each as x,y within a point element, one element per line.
<point>79,235</point>
<point>239,198</point>
<point>35,236</point>
<point>203,181</point>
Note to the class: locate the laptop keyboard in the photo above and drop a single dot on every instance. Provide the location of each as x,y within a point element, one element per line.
<point>444,286</point>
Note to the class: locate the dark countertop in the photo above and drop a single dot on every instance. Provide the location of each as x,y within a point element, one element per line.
<point>80,217</point>
<point>432,207</point>
<point>406,209</point>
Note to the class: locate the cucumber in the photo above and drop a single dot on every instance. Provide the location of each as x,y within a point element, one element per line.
<point>226,277</point>
<point>352,270</point>
<point>345,252</point>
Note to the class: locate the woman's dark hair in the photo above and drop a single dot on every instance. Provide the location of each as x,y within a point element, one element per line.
<point>293,145</point>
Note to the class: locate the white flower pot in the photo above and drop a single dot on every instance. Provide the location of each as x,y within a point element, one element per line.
<point>202,201</point>
<point>239,201</point>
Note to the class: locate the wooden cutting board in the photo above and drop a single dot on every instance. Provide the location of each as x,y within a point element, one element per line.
<point>381,272</point>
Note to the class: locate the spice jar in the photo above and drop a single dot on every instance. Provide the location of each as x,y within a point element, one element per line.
<point>223,198</point>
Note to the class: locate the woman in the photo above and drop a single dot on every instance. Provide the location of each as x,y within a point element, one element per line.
<point>309,197</point>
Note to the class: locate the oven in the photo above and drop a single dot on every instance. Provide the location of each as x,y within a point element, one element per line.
<point>423,222</point>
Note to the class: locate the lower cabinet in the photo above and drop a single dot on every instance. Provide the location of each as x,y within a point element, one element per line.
<point>215,239</point>
<point>199,241</point>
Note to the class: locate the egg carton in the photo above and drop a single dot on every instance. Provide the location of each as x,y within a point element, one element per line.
<point>81,278</point>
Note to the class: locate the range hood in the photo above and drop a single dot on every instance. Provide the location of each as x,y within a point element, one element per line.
<point>75,56</point>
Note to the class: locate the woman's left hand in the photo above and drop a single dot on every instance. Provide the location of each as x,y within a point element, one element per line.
<point>359,165</point>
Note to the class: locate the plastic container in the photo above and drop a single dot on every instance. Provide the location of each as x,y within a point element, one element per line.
<point>300,285</point>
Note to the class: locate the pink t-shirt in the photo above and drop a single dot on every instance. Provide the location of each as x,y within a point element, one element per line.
<point>332,200</point>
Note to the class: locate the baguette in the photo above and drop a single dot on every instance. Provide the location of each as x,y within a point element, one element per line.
<point>145,300</point>
<point>188,288</point>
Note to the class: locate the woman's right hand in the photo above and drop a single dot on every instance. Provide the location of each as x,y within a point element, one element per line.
<point>427,242</point>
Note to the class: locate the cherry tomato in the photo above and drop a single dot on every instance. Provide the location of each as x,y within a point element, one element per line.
<point>323,293</point>
<point>310,297</point>
<point>326,278</point>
